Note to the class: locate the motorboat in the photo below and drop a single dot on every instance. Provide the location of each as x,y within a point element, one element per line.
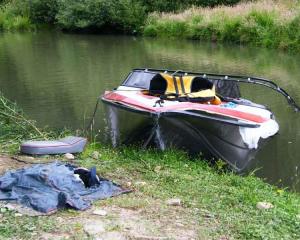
<point>200,113</point>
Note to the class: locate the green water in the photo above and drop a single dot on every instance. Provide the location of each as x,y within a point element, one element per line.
<point>56,78</point>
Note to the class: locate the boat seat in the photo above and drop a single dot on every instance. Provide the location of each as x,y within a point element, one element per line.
<point>69,144</point>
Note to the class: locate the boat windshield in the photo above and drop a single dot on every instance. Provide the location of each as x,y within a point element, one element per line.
<point>139,79</point>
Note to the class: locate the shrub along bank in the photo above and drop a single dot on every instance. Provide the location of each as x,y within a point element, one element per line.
<point>97,15</point>
<point>117,16</point>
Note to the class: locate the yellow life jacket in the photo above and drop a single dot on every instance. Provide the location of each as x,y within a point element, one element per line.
<point>181,88</point>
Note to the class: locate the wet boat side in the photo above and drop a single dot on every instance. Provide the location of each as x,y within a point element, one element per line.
<point>191,132</point>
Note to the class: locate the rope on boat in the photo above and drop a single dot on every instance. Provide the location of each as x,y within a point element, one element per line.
<point>92,121</point>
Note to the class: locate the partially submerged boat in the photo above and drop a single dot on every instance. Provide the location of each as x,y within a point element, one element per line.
<point>197,112</point>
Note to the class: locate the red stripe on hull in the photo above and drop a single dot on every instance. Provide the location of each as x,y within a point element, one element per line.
<point>215,109</point>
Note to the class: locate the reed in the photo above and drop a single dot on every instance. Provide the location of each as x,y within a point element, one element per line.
<point>15,127</point>
<point>11,21</point>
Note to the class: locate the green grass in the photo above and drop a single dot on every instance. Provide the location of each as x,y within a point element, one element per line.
<point>11,21</point>
<point>16,23</point>
<point>26,227</point>
<point>263,23</point>
<point>230,199</point>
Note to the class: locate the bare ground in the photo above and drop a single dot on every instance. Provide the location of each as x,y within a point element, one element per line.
<point>125,217</point>
<point>7,163</point>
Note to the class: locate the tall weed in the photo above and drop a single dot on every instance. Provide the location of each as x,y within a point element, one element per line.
<point>11,20</point>
<point>264,23</point>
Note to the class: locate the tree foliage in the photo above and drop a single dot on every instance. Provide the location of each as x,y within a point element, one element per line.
<point>177,5</point>
<point>121,15</point>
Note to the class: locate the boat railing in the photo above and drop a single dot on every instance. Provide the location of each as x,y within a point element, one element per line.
<point>235,78</point>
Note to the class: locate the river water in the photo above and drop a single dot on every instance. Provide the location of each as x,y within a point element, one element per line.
<point>56,78</point>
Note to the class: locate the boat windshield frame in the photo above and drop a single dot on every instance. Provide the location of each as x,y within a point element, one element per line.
<point>139,79</point>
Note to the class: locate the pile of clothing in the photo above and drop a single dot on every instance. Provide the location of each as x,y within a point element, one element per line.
<point>49,187</point>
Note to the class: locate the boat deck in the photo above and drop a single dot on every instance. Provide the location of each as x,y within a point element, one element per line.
<point>137,100</point>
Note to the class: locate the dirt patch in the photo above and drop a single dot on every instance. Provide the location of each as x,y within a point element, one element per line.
<point>8,163</point>
<point>123,224</point>
<point>19,161</point>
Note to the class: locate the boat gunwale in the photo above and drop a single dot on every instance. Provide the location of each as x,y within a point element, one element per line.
<point>230,121</point>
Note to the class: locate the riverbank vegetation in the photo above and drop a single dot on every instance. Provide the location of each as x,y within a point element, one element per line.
<point>127,16</point>
<point>219,203</point>
<point>11,20</point>
<point>265,23</point>
<point>15,127</point>
<point>268,23</point>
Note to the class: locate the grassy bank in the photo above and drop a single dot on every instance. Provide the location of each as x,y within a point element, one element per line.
<point>265,23</point>
<point>218,203</point>
<point>223,203</point>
